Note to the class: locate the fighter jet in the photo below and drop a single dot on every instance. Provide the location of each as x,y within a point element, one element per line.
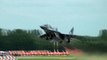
<point>53,34</point>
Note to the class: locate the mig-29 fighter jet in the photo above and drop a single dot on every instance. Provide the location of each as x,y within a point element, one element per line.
<point>52,34</point>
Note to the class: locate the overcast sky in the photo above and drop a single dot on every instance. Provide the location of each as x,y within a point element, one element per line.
<point>86,16</point>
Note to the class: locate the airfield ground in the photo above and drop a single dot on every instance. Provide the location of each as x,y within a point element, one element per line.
<point>48,58</point>
<point>71,57</point>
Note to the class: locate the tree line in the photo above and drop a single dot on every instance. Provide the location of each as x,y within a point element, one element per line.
<point>90,43</point>
<point>19,39</point>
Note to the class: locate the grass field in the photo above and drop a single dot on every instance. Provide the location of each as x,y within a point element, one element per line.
<point>48,58</point>
<point>72,57</point>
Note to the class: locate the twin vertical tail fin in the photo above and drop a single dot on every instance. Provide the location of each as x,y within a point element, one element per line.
<point>70,34</point>
<point>71,31</point>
